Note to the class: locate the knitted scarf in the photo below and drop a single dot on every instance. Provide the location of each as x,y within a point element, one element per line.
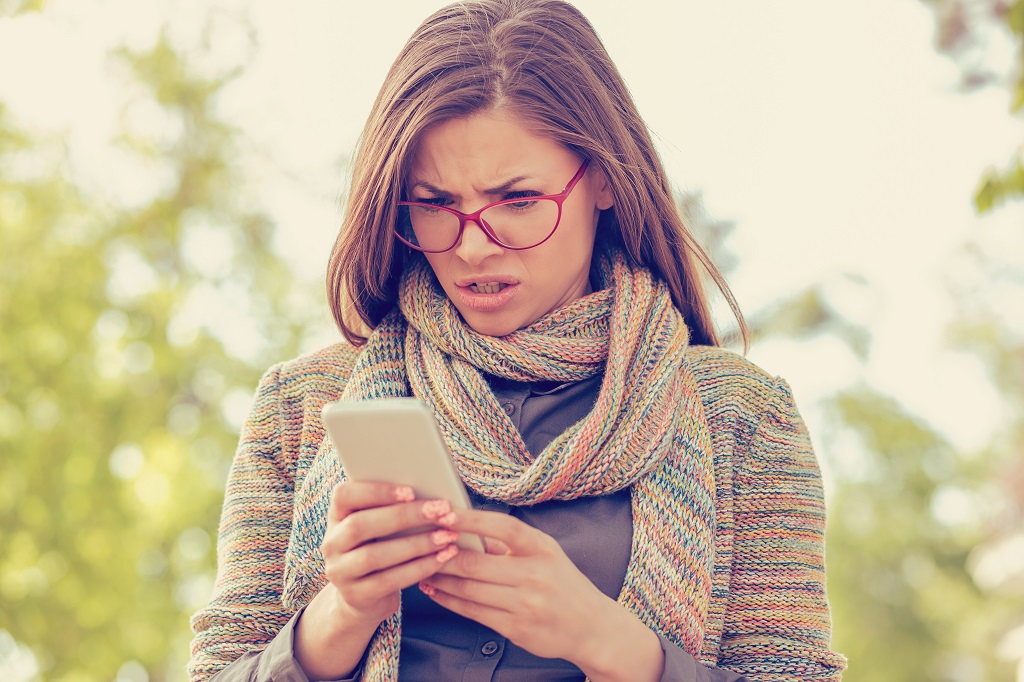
<point>646,430</point>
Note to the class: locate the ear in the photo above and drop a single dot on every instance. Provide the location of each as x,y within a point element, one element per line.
<point>605,199</point>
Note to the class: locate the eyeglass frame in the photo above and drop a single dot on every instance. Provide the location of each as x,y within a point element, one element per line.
<point>464,218</point>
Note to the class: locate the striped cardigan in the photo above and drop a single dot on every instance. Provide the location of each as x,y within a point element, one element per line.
<point>767,615</point>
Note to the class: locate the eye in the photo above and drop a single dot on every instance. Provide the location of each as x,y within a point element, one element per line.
<point>433,201</point>
<point>521,194</point>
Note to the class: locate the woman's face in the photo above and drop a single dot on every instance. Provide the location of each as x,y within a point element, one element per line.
<point>497,290</point>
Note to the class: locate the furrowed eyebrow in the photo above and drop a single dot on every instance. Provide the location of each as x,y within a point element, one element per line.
<point>500,189</point>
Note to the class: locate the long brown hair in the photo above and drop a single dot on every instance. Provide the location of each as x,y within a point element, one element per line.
<point>542,61</point>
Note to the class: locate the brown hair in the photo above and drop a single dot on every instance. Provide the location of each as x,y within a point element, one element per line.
<point>541,61</point>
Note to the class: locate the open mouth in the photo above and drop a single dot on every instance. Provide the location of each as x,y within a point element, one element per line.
<point>487,287</point>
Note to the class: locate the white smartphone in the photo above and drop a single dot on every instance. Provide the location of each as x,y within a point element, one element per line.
<point>396,440</point>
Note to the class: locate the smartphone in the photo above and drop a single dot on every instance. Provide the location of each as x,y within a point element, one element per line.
<point>396,440</point>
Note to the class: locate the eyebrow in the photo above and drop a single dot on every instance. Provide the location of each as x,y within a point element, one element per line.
<point>500,189</point>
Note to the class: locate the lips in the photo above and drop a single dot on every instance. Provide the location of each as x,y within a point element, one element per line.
<point>486,293</point>
<point>487,287</point>
<point>485,279</point>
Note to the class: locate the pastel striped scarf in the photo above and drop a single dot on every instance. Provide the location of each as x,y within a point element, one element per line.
<point>645,430</point>
<point>633,329</point>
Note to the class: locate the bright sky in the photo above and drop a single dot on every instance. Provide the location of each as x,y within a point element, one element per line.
<point>829,131</point>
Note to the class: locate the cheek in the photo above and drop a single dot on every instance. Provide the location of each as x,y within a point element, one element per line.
<point>577,242</point>
<point>438,263</point>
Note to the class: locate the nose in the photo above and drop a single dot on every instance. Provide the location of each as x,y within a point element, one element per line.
<point>475,245</point>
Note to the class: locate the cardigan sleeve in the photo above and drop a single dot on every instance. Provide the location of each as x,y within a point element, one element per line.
<point>245,612</point>
<point>777,624</point>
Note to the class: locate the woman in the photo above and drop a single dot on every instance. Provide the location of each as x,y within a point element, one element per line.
<point>512,256</point>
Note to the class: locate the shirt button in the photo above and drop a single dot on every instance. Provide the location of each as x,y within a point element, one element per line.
<point>510,409</point>
<point>489,648</point>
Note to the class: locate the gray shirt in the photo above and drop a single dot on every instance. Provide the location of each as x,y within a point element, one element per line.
<point>595,533</point>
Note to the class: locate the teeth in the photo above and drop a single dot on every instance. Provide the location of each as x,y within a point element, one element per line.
<point>487,287</point>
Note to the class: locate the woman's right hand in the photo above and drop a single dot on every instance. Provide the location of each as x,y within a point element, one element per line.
<point>366,572</point>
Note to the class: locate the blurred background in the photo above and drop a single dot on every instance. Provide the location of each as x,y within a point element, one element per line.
<point>171,179</point>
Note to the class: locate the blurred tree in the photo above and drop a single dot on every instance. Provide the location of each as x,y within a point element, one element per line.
<point>909,515</point>
<point>905,523</point>
<point>8,7</point>
<point>926,542</point>
<point>971,31</point>
<point>134,331</point>
<point>919,581</point>
<point>988,286</point>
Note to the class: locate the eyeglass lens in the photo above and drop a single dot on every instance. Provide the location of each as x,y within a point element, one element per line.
<point>518,225</point>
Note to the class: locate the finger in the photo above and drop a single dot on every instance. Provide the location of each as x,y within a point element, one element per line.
<point>375,586</point>
<point>495,546</point>
<point>350,496</point>
<point>372,557</point>
<point>488,616</point>
<point>374,523</point>
<point>496,596</point>
<point>517,537</point>
<point>498,569</point>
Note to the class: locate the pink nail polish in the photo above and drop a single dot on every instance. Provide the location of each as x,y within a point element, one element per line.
<point>447,520</point>
<point>447,554</point>
<point>428,589</point>
<point>444,537</point>
<point>433,509</point>
<point>404,493</point>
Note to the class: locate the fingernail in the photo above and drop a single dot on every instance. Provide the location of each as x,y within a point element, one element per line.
<point>447,554</point>
<point>444,537</point>
<point>428,589</point>
<point>433,509</point>
<point>447,520</point>
<point>404,493</point>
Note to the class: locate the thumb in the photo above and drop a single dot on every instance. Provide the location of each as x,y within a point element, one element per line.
<point>494,546</point>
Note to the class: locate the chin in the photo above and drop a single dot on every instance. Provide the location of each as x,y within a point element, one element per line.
<point>481,324</point>
<point>493,329</point>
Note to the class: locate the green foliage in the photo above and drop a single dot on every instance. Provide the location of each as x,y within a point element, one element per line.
<point>998,186</point>
<point>113,428</point>
<point>963,27</point>
<point>12,7</point>
<point>904,525</point>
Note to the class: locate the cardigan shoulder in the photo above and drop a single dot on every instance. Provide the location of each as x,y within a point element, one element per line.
<point>735,391</point>
<point>325,371</point>
<point>749,412</point>
<point>300,387</point>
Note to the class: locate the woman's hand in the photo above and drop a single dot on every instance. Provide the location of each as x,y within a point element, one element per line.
<point>527,589</point>
<point>368,572</point>
<point>367,569</point>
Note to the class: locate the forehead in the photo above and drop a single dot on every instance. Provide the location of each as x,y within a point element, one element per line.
<point>484,147</point>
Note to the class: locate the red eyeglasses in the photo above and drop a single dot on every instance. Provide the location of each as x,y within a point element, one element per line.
<point>519,223</point>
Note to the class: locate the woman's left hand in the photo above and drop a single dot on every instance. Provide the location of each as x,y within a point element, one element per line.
<point>526,589</point>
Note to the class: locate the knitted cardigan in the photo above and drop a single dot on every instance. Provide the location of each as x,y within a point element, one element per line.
<point>766,616</point>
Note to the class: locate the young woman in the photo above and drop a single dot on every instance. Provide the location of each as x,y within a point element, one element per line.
<point>511,255</point>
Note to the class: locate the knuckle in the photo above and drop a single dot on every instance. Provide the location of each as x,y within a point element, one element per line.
<point>334,574</point>
<point>469,563</point>
<point>384,584</point>
<point>469,589</point>
<point>339,493</point>
<point>363,560</point>
<point>353,525</point>
<point>532,604</point>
